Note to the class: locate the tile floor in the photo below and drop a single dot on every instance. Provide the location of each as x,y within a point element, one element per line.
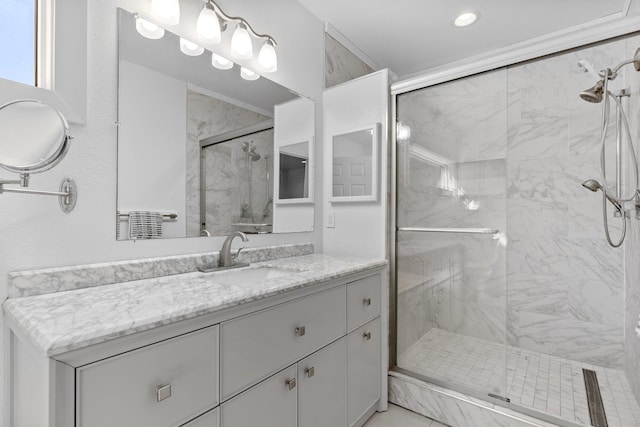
<point>400,417</point>
<point>548,384</point>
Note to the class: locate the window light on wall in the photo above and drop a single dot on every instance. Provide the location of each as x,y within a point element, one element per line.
<point>210,25</point>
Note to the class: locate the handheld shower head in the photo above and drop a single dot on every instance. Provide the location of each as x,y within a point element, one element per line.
<point>593,185</point>
<point>594,94</point>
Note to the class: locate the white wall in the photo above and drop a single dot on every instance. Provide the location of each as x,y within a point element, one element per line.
<point>360,228</point>
<point>151,152</point>
<point>36,234</point>
<point>294,123</point>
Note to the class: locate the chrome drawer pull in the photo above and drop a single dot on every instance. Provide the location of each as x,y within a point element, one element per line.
<point>300,331</point>
<point>291,383</point>
<point>310,371</point>
<point>366,336</point>
<point>366,301</point>
<point>163,392</point>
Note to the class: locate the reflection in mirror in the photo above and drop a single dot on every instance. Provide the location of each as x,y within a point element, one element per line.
<point>355,159</point>
<point>294,171</point>
<point>196,143</point>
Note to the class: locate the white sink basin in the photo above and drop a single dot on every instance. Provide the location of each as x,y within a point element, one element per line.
<point>252,275</point>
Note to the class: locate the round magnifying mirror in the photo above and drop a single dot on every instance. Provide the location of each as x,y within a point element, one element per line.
<point>34,136</point>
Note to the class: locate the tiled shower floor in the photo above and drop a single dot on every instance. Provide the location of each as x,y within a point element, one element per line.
<point>548,384</point>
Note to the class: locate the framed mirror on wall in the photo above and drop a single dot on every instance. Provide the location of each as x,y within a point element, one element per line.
<point>197,144</point>
<point>294,180</point>
<point>355,159</point>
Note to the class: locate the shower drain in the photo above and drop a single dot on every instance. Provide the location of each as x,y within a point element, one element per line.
<point>596,408</point>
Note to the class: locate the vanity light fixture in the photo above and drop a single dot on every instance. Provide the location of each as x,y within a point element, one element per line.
<point>465,19</point>
<point>212,21</point>
<point>241,46</point>
<point>208,24</point>
<point>248,74</point>
<point>190,48</point>
<point>166,11</point>
<point>220,62</point>
<point>148,29</point>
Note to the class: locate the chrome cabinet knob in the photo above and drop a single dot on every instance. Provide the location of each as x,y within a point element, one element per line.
<point>300,331</point>
<point>163,392</point>
<point>366,336</point>
<point>291,383</point>
<point>310,372</point>
<point>366,301</point>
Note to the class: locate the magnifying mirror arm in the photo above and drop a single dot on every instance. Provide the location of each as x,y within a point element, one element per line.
<point>68,192</point>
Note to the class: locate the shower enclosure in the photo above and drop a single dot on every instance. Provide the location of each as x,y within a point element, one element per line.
<point>504,287</point>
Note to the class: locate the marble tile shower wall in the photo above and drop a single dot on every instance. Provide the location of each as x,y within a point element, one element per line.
<point>207,117</point>
<point>340,64</point>
<point>519,142</point>
<point>237,188</point>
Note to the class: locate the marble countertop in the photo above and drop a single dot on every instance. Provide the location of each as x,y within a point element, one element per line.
<point>64,321</point>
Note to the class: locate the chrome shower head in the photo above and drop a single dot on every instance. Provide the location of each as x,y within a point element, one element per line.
<point>594,94</point>
<point>593,185</point>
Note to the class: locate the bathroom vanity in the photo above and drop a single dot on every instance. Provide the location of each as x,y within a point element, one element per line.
<point>288,342</point>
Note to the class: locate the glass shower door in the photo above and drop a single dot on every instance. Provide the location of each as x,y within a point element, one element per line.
<point>450,242</point>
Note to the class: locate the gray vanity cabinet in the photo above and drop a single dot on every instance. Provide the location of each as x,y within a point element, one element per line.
<point>164,384</point>
<point>322,378</point>
<point>272,403</point>
<point>363,368</point>
<point>310,357</point>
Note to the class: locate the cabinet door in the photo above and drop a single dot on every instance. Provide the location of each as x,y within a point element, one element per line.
<point>164,384</point>
<point>255,346</point>
<point>210,419</point>
<point>271,403</point>
<point>322,391</point>
<point>363,370</point>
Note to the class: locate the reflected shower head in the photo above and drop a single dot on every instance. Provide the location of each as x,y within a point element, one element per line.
<point>594,94</point>
<point>593,185</point>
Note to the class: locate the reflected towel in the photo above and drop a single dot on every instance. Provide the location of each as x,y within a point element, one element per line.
<point>145,225</point>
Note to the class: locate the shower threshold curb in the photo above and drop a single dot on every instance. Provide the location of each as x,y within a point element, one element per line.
<point>457,409</point>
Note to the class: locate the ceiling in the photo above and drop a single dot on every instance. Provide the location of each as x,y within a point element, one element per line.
<point>408,36</point>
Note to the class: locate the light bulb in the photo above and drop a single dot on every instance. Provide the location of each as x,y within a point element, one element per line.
<point>403,131</point>
<point>466,19</point>
<point>190,48</point>
<point>208,25</point>
<point>166,11</point>
<point>267,58</point>
<point>220,62</point>
<point>248,74</point>
<point>148,29</point>
<point>241,47</point>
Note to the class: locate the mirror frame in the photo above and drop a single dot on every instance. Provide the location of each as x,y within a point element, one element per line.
<point>56,156</point>
<point>276,174</point>
<point>375,164</point>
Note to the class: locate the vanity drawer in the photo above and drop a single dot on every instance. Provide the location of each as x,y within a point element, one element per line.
<point>363,301</point>
<point>165,384</point>
<point>255,346</point>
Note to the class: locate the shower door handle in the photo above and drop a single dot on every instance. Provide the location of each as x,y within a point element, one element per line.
<point>451,230</point>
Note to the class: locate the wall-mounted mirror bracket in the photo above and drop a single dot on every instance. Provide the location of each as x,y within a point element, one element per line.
<point>68,194</point>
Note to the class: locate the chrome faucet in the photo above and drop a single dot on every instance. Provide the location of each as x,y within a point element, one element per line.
<point>226,258</point>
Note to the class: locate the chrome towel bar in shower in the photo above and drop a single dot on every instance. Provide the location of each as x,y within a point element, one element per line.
<point>451,230</point>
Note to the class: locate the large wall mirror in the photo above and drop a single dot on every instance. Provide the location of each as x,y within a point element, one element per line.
<point>198,146</point>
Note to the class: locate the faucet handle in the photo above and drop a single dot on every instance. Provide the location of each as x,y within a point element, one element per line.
<point>237,254</point>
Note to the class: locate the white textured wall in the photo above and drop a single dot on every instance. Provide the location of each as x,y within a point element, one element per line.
<point>151,155</point>
<point>360,228</point>
<point>36,234</point>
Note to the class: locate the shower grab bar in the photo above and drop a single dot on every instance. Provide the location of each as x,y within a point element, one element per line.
<point>451,230</point>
